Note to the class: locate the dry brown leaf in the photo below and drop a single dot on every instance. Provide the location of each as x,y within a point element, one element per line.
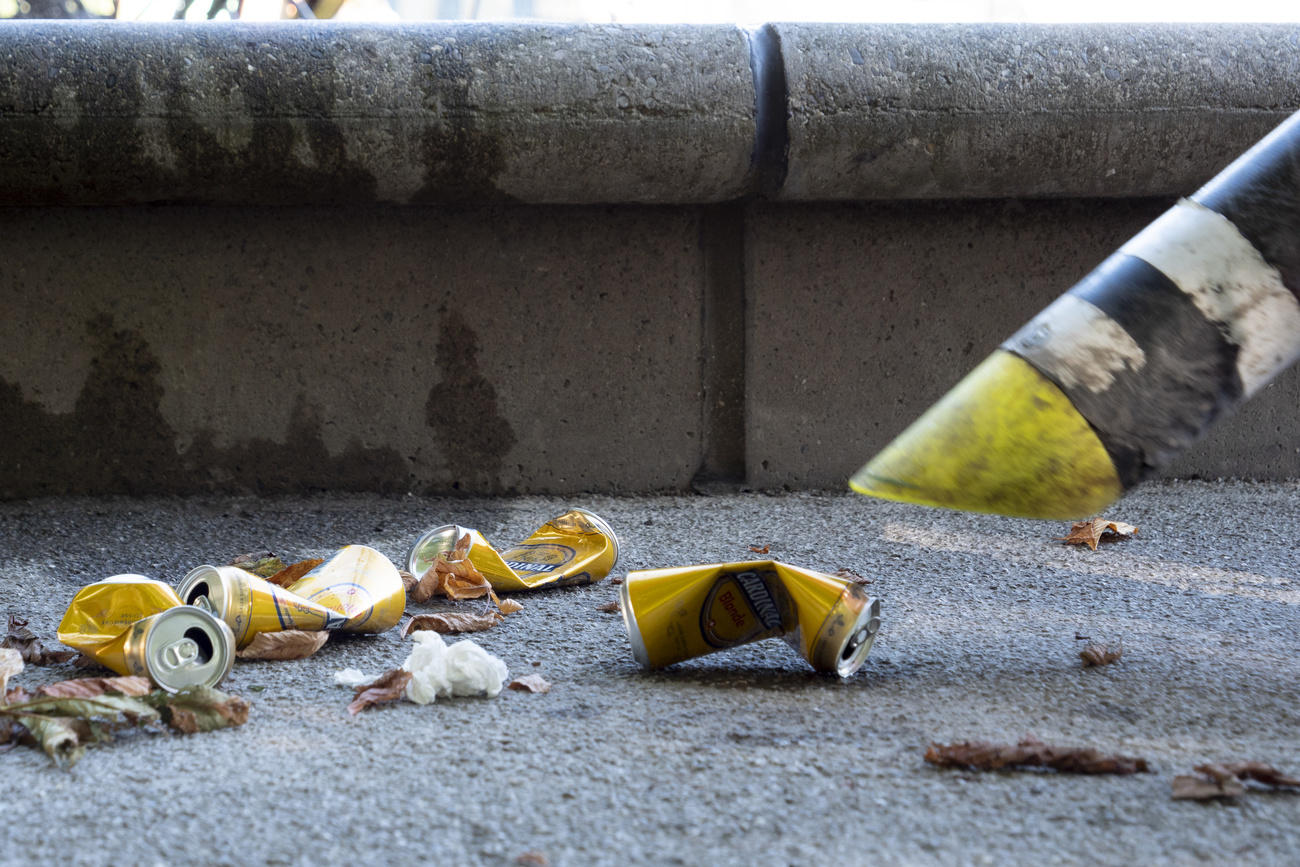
<point>1186,787</point>
<point>200,709</point>
<point>532,859</point>
<point>290,574</point>
<point>763,550</point>
<point>610,607</point>
<point>17,695</point>
<point>1097,530</point>
<point>289,644</point>
<point>89,687</point>
<point>11,663</point>
<point>33,650</point>
<point>452,622</point>
<point>1031,752</point>
<point>616,581</point>
<point>850,575</point>
<point>534,683</point>
<point>453,578</point>
<point>1257,771</point>
<point>1101,654</point>
<point>389,686</point>
<point>408,580</point>
<point>505,606</point>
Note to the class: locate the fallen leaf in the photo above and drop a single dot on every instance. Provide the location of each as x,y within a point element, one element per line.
<point>532,859</point>
<point>82,661</point>
<point>17,695</point>
<point>1186,787</point>
<point>1031,752</point>
<point>290,574</point>
<point>452,575</point>
<point>89,687</point>
<point>757,550</point>
<point>1257,771</point>
<point>64,727</point>
<point>408,580</point>
<point>33,650</point>
<point>850,575</point>
<point>1097,530</point>
<point>199,709</point>
<point>289,644</point>
<point>505,606</point>
<point>534,683</point>
<point>610,607</point>
<point>263,564</point>
<point>389,686</point>
<point>616,581</point>
<point>1101,654</point>
<point>11,663</point>
<point>453,622</point>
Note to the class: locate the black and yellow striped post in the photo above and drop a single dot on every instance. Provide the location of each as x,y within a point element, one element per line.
<point>1133,364</point>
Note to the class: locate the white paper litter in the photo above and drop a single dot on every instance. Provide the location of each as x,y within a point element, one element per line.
<point>11,663</point>
<point>463,668</point>
<point>351,678</point>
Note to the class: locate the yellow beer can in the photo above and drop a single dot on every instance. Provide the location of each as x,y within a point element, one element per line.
<point>577,547</point>
<point>359,583</point>
<point>102,611</point>
<point>681,613</point>
<point>249,604</point>
<point>181,647</point>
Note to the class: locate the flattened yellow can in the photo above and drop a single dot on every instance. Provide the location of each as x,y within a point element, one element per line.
<point>359,583</point>
<point>577,547</point>
<point>681,613</point>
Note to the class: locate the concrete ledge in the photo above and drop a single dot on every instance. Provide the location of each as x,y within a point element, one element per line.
<point>298,113</point>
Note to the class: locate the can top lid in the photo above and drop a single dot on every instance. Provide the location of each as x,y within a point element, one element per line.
<point>187,646</point>
<point>207,587</point>
<point>861,637</point>
<point>427,548</point>
<point>606,529</point>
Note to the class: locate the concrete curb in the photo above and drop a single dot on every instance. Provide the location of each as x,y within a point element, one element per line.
<point>296,113</point>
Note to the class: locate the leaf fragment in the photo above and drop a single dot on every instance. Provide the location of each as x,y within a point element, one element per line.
<point>64,727</point>
<point>389,686</point>
<point>199,709</point>
<point>33,650</point>
<point>1228,780</point>
<point>453,622</point>
<point>1097,530</point>
<point>263,564</point>
<point>290,574</point>
<point>11,663</point>
<point>452,575</point>
<point>505,606</point>
<point>89,687</point>
<point>763,550</point>
<point>850,575</point>
<point>532,859</point>
<point>1101,654</point>
<point>408,580</point>
<point>533,683</point>
<point>610,607</point>
<point>1031,752</point>
<point>289,644</point>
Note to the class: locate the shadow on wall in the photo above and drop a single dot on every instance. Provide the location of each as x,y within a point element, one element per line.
<point>116,441</point>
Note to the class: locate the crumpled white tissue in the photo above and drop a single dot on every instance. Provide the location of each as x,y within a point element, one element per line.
<point>462,668</point>
<point>351,678</point>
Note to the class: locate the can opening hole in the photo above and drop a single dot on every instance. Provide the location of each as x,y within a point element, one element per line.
<point>202,641</point>
<point>199,589</point>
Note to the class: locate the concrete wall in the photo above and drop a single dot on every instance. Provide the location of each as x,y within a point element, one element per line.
<point>557,259</point>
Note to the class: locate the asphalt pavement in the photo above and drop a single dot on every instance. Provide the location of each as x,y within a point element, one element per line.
<point>745,756</point>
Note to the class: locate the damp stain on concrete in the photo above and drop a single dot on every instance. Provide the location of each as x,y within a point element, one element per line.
<point>463,412</point>
<point>117,441</point>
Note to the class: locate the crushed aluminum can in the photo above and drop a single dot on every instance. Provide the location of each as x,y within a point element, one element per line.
<point>359,583</point>
<point>577,547</point>
<point>135,625</point>
<point>104,610</point>
<point>250,605</point>
<point>181,647</point>
<point>681,613</point>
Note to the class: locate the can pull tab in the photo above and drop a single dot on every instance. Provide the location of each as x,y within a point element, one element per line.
<point>180,654</point>
<point>205,603</point>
